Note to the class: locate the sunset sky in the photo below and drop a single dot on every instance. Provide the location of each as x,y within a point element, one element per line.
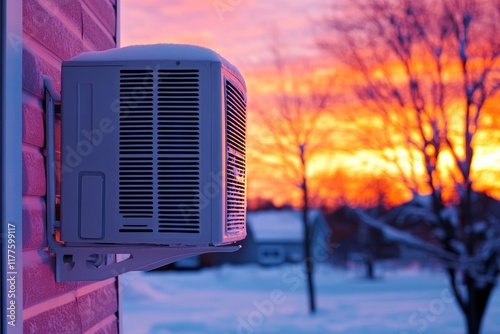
<point>245,32</point>
<point>240,30</point>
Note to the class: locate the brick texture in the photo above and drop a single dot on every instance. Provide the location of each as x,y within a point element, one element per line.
<point>33,223</point>
<point>34,67</point>
<point>61,319</point>
<point>39,280</point>
<point>105,13</point>
<point>57,33</point>
<point>97,305</point>
<point>33,172</point>
<point>33,121</point>
<point>54,31</point>
<point>95,34</point>
<point>70,9</point>
<point>109,329</point>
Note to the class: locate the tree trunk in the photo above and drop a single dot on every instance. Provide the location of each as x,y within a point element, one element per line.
<point>473,322</point>
<point>309,261</point>
<point>369,268</point>
<point>472,325</point>
<point>473,308</point>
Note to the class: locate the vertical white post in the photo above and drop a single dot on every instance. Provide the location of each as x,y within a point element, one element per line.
<point>11,166</point>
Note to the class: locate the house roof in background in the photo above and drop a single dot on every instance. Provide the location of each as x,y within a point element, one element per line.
<point>281,225</point>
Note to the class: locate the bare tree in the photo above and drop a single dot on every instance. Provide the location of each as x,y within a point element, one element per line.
<point>291,137</point>
<point>425,77</point>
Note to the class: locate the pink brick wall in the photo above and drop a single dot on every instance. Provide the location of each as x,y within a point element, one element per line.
<point>56,30</point>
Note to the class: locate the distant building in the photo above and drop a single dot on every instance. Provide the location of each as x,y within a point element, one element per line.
<point>277,236</point>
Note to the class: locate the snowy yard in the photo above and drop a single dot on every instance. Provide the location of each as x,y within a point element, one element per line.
<point>252,299</point>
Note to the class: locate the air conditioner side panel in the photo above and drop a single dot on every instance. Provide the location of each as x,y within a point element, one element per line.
<point>229,234</point>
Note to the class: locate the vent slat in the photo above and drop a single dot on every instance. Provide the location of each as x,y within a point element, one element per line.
<point>179,151</point>
<point>136,146</point>
<point>236,159</point>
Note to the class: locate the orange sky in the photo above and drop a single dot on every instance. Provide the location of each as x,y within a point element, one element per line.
<point>243,31</point>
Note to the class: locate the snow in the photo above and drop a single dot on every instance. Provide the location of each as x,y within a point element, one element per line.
<point>252,299</point>
<point>151,52</point>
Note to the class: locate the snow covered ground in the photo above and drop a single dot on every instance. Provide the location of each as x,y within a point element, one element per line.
<point>252,299</point>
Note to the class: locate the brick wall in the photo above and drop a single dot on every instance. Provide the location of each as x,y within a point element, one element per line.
<point>53,31</point>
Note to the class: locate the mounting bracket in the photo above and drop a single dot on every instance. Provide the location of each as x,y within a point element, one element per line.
<point>98,261</point>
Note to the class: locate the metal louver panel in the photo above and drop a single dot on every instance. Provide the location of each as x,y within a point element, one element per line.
<point>136,147</point>
<point>178,151</point>
<point>236,155</point>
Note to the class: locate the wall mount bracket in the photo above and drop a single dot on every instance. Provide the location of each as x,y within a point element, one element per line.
<point>100,261</point>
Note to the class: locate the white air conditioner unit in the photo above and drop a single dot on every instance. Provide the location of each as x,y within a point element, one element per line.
<point>153,149</point>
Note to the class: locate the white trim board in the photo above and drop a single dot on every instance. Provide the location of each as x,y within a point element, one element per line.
<point>11,141</point>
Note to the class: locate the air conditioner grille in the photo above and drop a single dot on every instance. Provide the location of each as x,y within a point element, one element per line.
<point>136,144</point>
<point>236,155</point>
<point>178,151</point>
